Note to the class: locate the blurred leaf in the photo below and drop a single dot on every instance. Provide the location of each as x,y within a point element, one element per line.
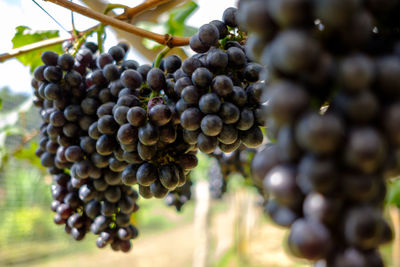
<point>1,103</point>
<point>175,24</point>
<point>227,258</point>
<point>10,99</point>
<point>394,193</point>
<point>9,127</point>
<point>189,31</point>
<point>28,153</point>
<point>25,36</point>
<point>154,27</point>
<point>176,20</point>
<point>201,172</point>
<point>11,117</point>
<point>13,130</point>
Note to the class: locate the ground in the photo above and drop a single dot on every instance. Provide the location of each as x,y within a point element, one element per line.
<point>175,247</point>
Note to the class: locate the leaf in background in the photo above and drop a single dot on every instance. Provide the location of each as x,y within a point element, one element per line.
<point>176,20</point>
<point>175,25</point>
<point>394,193</point>
<point>25,36</point>
<point>28,153</point>
<point>189,31</point>
<point>1,103</point>
<point>154,27</point>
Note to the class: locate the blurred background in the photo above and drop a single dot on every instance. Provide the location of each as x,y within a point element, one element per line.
<point>211,230</point>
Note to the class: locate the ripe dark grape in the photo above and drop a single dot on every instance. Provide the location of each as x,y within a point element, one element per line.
<point>229,17</point>
<point>160,114</point>
<point>197,45</point>
<point>52,74</point>
<point>117,53</point>
<point>65,61</point>
<point>131,78</point>
<point>207,144</point>
<point>209,103</point>
<point>208,34</point>
<point>49,58</point>
<point>172,63</point>
<point>156,79</point>
<point>217,59</point>
<point>211,125</point>
<point>136,116</point>
<point>202,77</point>
<point>191,119</point>
<point>148,134</point>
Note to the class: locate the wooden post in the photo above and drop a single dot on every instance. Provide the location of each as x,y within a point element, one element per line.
<point>201,224</point>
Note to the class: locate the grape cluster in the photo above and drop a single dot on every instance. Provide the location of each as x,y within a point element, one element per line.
<point>87,190</point>
<point>110,124</point>
<point>333,113</point>
<point>227,164</point>
<point>178,197</point>
<point>217,90</point>
<point>142,126</point>
<point>217,181</point>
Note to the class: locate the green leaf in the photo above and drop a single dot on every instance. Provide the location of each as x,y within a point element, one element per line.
<point>189,31</point>
<point>28,153</point>
<point>154,27</point>
<point>176,20</point>
<point>394,193</point>
<point>25,36</point>
<point>175,24</point>
<point>1,103</point>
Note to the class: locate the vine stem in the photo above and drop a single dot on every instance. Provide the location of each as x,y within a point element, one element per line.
<point>128,14</point>
<point>166,39</point>
<point>28,48</point>
<point>160,56</point>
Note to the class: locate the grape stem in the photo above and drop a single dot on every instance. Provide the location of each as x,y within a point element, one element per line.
<point>114,6</point>
<point>160,56</point>
<point>165,39</point>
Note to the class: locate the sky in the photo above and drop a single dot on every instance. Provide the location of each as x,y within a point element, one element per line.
<point>24,12</point>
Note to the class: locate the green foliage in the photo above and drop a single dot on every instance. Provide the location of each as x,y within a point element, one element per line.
<point>24,185</point>
<point>201,172</point>
<point>176,20</point>
<point>11,99</point>
<point>28,153</point>
<point>393,196</point>
<point>7,128</point>
<point>24,36</point>
<point>24,205</point>
<point>174,25</point>
<point>9,118</point>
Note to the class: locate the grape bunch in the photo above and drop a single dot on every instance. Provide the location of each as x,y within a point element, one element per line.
<point>142,127</point>
<point>217,182</point>
<point>333,76</point>
<point>110,124</point>
<point>88,195</point>
<point>227,164</point>
<point>178,197</point>
<point>217,90</point>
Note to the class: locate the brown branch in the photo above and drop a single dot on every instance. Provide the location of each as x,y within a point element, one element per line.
<point>166,39</point>
<point>129,14</point>
<point>30,47</point>
<point>134,11</point>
